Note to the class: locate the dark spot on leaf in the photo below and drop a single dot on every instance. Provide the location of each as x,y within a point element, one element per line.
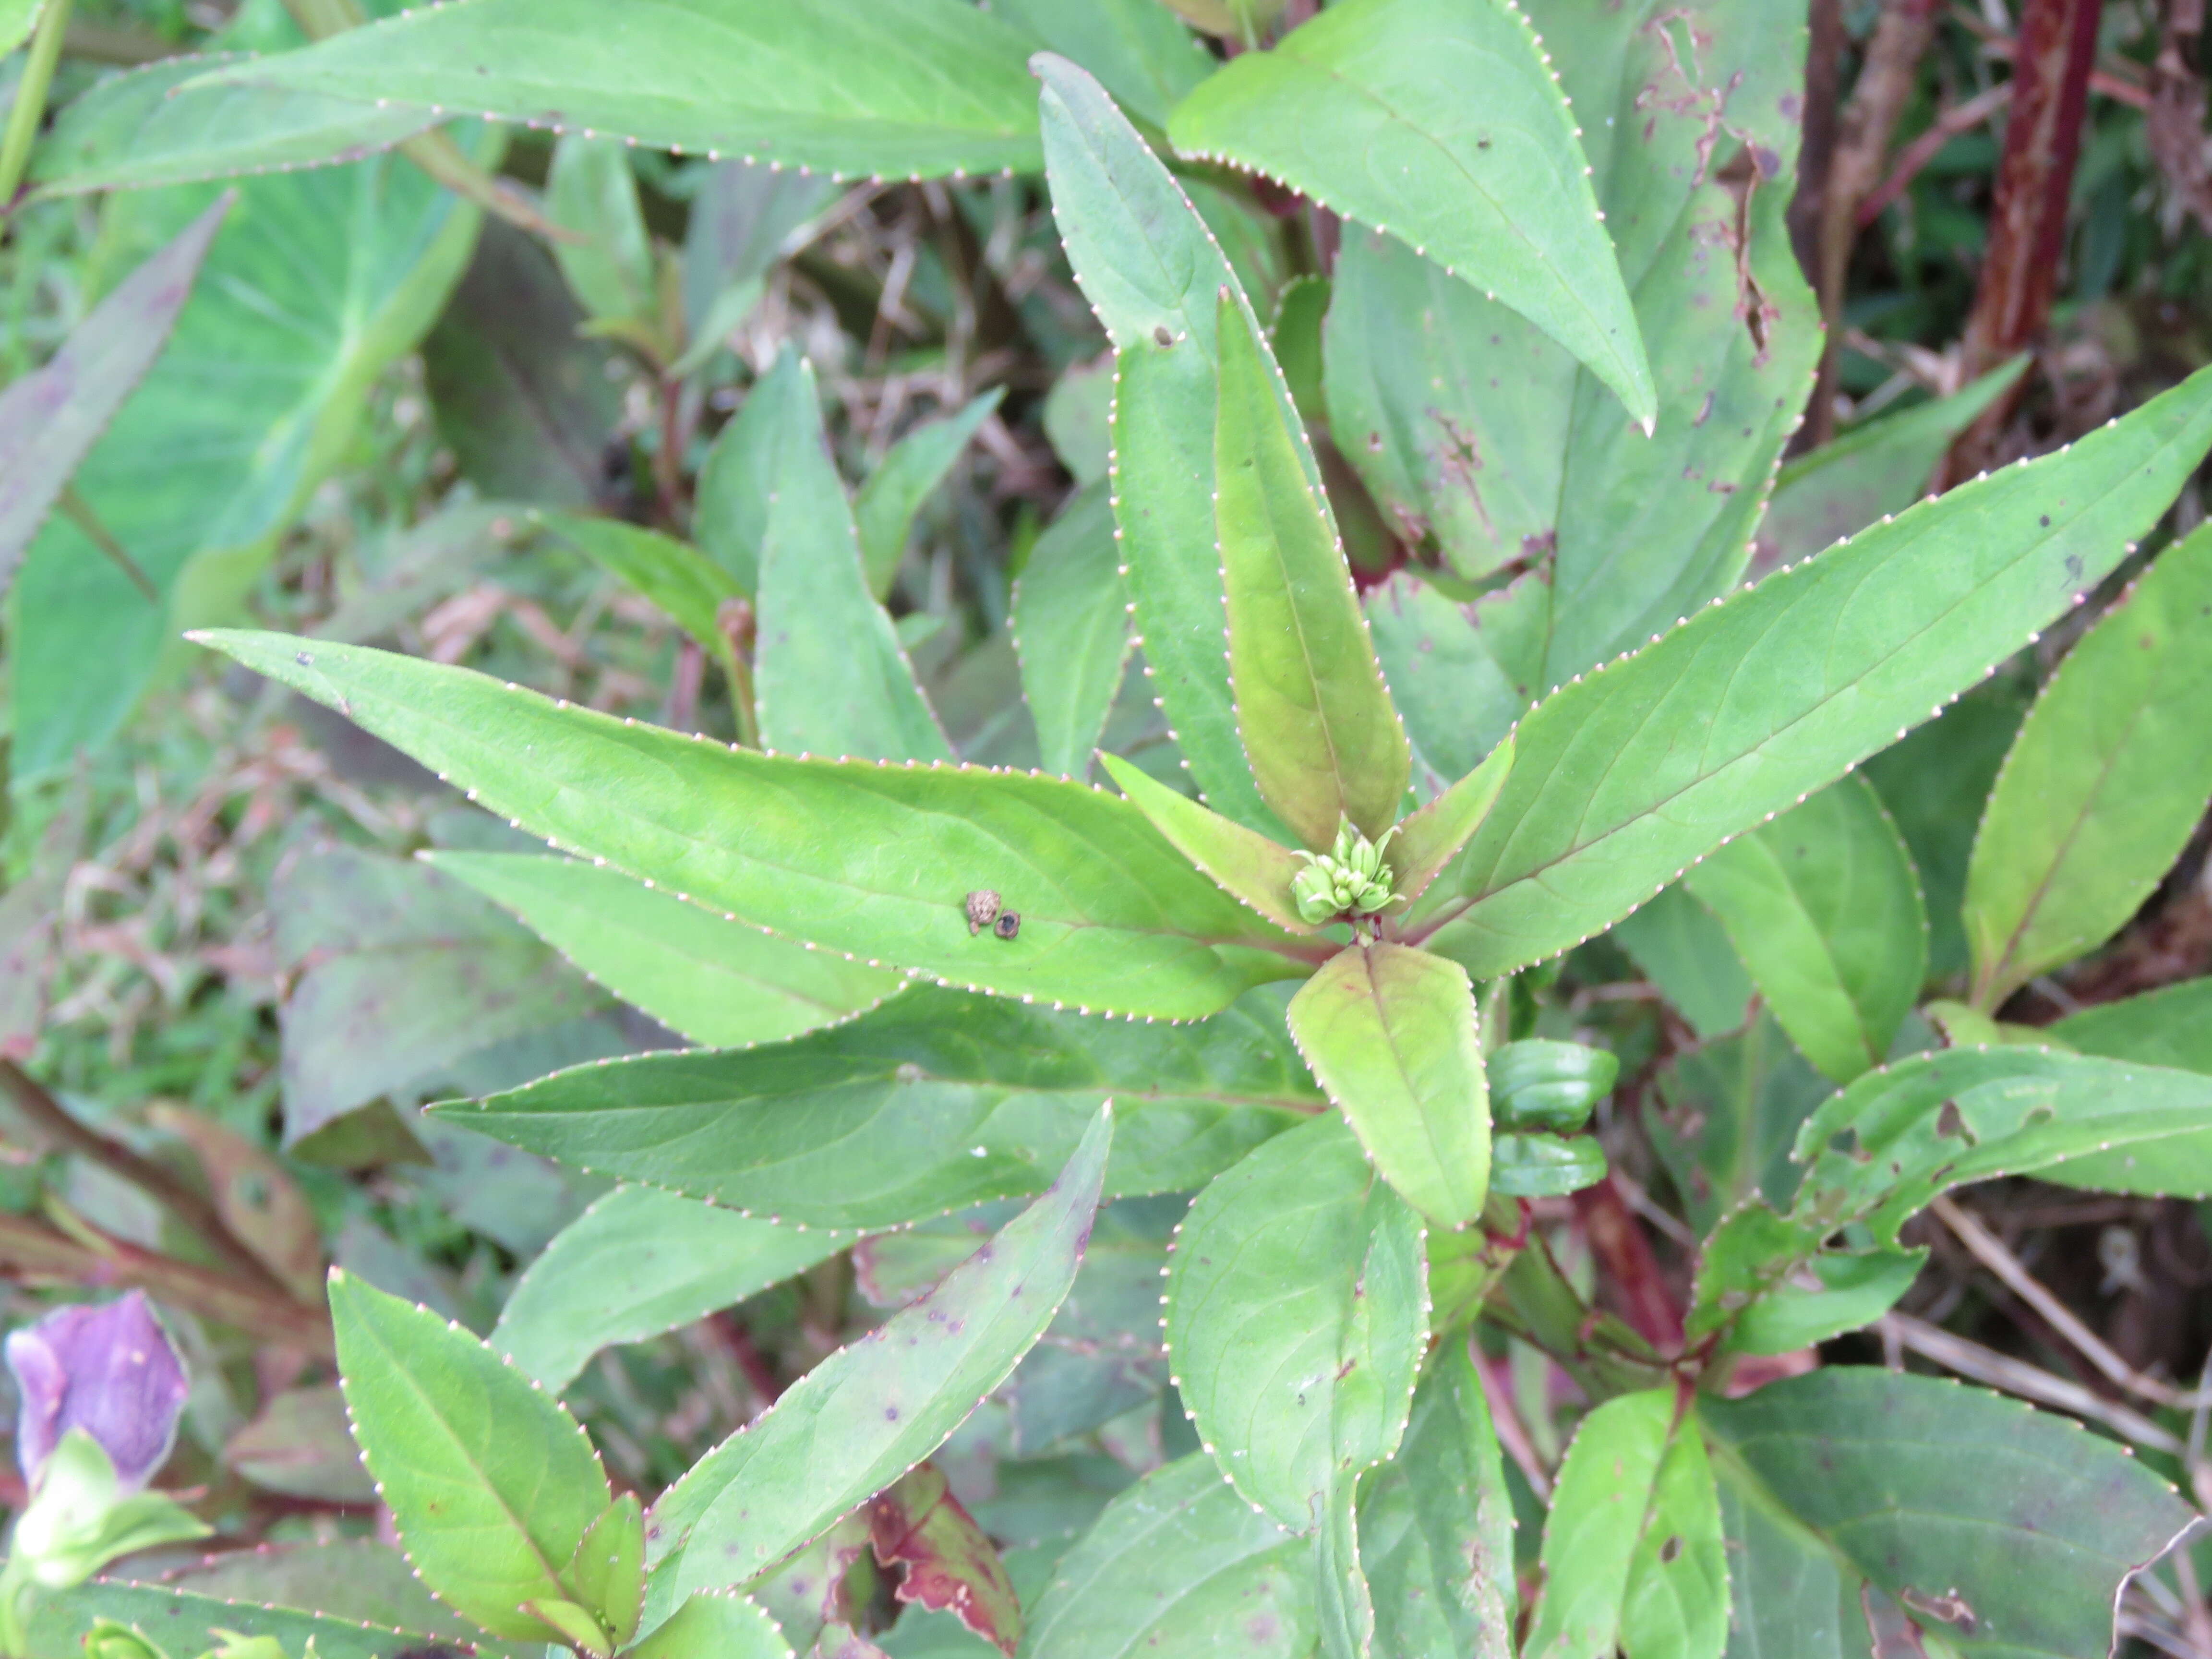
<point>2044,521</point>
<point>1008,924</point>
<point>1950,1124</point>
<point>1669,1550</point>
<point>1161,337</point>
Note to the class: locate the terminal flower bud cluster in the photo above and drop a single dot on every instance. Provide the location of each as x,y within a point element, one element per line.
<point>1349,879</point>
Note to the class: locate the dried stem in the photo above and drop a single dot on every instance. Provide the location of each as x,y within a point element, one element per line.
<point>52,1118</point>
<point>1987,1366</point>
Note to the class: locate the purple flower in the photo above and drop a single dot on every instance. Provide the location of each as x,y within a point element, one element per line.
<point>107,1369</point>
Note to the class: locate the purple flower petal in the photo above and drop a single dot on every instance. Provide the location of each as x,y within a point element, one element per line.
<point>109,1370</point>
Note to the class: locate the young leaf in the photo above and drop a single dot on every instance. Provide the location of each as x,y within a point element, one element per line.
<point>492,1486</point>
<point>877,1123</point>
<point>720,983</point>
<point>1364,110</point>
<point>1823,906</point>
<point>1153,273</point>
<point>142,129</point>
<point>915,88</point>
<point>1296,1319</point>
<point>2002,1529</point>
<point>608,1572</point>
<point>1179,1566</point>
<point>1071,628</point>
<point>1426,841</point>
<point>1243,863</point>
<point>907,475</point>
<point>869,1413</point>
<point>638,1262</point>
<point>1324,742</point>
<point>2105,783</point>
<point>51,418</point>
<point>873,860</point>
<point>715,1625</point>
<point>1539,1083</point>
<point>831,676</point>
<point>591,192</point>
<point>949,1564</point>
<point>1798,679</point>
<point>1391,1032</point>
<point>1878,1151</point>
<point>1633,1551</point>
<point>1436,1526</point>
<point>682,580</point>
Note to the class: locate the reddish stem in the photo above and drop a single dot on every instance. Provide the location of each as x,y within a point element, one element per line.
<point>2054,54</point>
<point>1632,1271</point>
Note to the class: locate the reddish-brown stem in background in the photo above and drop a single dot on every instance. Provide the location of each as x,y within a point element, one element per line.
<point>1862,137</point>
<point>1632,1271</point>
<point>2054,53</point>
<point>52,1121</point>
<point>34,1252</point>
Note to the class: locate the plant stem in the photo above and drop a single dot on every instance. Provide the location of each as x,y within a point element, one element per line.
<point>30,107</point>
<point>34,1251</point>
<point>51,1118</point>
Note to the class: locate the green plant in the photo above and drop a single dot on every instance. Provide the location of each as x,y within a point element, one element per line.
<point>1439,575</point>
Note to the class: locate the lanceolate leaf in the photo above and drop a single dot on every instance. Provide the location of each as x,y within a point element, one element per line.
<point>491,1484</point>
<point>1800,677</point>
<point>2170,1026</point>
<point>1391,1032</point>
<point>1153,273</point>
<point>1823,906</point>
<point>1364,110</point>
<point>719,982</point>
<point>831,678</point>
<point>936,1101</point>
<point>2000,1530</point>
<point>1318,728</point>
<point>1296,1319</point>
<point>1179,1567</point>
<point>1427,840</point>
<point>1242,862</point>
<point>682,580</point>
<point>51,418</point>
<point>2105,783</point>
<point>914,88</point>
<point>1071,628</point>
<point>1144,58</point>
<point>61,1620</point>
<point>1345,1603</point>
<point>715,1625</point>
<point>873,860</point>
<point>1597,1514</point>
<point>142,129</point>
<point>1436,1526</point>
<point>866,1415</point>
<point>1880,466</point>
<point>1633,1553</point>
<point>908,474</point>
<point>638,1262</point>
<point>1882,1148</point>
<point>1481,437</point>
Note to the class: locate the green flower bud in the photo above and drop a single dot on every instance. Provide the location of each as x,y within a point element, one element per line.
<point>108,1640</point>
<point>1350,879</point>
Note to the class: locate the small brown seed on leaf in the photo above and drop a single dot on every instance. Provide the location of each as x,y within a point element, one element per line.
<point>983,909</point>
